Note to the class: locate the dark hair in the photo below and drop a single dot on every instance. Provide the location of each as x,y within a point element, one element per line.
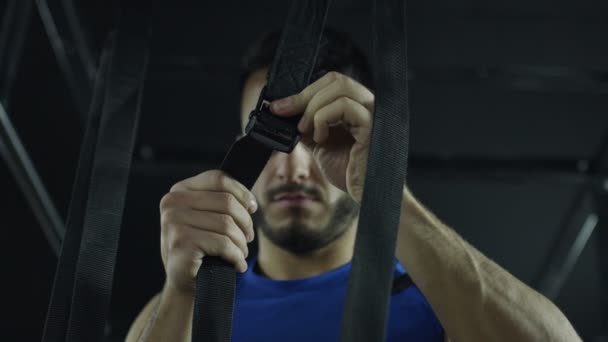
<point>337,52</point>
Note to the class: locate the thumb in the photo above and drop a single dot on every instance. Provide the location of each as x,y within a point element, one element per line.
<point>289,106</point>
<point>296,104</point>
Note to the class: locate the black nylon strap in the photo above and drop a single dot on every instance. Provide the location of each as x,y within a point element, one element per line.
<point>246,160</point>
<point>290,73</point>
<point>61,296</point>
<point>80,302</point>
<point>216,279</point>
<point>296,54</point>
<point>371,276</point>
<point>109,179</point>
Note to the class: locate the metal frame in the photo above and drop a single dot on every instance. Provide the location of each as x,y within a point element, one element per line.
<point>493,169</point>
<point>577,227</point>
<point>15,24</point>
<point>71,48</point>
<point>588,211</point>
<point>76,61</point>
<point>14,29</point>
<point>18,161</point>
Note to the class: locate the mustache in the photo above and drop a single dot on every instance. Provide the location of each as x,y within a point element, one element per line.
<point>294,187</point>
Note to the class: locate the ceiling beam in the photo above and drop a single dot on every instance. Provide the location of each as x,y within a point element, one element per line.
<point>16,157</point>
<point>72,50</point>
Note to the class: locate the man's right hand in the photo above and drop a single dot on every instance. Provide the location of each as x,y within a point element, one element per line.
<point>206,215</point>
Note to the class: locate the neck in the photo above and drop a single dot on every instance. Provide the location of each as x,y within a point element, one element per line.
<point>279,264</point>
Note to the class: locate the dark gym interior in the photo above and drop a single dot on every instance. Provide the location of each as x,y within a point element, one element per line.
<point>509,141</point>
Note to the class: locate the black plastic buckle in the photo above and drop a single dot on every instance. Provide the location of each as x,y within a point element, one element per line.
<point>273,131</point>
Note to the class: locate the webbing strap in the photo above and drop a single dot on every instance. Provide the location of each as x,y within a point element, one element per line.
<point>80,302</point>
<point>296,54</point>
<point>61,296</point>
<point>216,279</point>
<point>290,73</point>
<point>372,270</point>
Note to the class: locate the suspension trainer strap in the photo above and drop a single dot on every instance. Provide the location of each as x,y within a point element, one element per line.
<point>289,74</point>
<point>109,179</point>
<point>83,283</point>
<point>61,296</point>
<point>371,276</point>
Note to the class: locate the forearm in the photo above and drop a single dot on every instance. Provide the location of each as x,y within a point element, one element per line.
<point>473,297</point>
<point>168,318</point>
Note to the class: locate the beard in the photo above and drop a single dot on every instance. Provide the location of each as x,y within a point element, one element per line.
<point>298,237</point>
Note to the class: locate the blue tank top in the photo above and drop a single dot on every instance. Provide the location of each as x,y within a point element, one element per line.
<point>310,309</point>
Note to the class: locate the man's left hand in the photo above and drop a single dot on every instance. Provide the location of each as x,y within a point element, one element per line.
<point>336,127</point>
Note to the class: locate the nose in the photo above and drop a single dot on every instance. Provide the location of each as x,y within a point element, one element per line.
<point>294,166</point>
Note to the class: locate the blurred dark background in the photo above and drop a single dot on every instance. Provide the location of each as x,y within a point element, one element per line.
<point>509,137</point>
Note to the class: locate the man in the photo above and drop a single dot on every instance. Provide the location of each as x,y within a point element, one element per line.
<point>305,208</point>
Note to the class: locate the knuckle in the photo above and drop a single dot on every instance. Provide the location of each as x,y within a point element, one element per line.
<point>234,253</point>
<point>214,177</point>
<point>169,216</point>
<point>164,222</point>
<point>226,222</point>
<point>334,75</point>
<point>236,235</point>
<point>345,82</point>
<point>228,202</point>
<point>350,84</point>
<point>178,240</point>
<point>211,173</point>
<point>224,243</point>
<point>166,201</point>
<point>298,99</point>
<point>176,187</point>
<point>302,96</point>
<point>318,120</point>
<point>343,101</point>
<point>221,180</point>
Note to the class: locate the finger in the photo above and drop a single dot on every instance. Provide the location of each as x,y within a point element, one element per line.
<point>342,86</point>
<point>219,245</point>
<point>217,180</point>
<point>296,104</point>
<point>219,223</point>
<point>346,112</point>
<point>211,201</point>
<point>187,242</point>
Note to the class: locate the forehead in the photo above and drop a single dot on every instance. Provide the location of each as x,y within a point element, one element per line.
<point>251,91</point>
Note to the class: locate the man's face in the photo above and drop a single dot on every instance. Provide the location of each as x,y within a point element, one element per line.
<point>299,210</point>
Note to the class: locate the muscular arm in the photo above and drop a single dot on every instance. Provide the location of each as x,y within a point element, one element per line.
<point>166,317</point>
<point>473,297</point>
